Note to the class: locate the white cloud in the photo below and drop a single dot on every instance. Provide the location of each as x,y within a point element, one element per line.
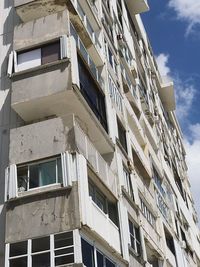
<point>185,93</point>
<point>162,61</point>
<point>193,162</point>
<point>184,90</point>
<point>187,10</point>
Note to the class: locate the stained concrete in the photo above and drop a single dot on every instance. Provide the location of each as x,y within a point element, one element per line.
<point>44,214</point>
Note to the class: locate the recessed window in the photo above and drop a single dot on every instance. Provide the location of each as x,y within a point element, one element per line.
<point>90,252</point>
<point>39,174</point>
<point>122,135</point>
<point>39,56</point>
<point>59,247</point>
<point>91,93</point>
<point>103,202</point>
<point>134,237</point>
<point>128,182</point>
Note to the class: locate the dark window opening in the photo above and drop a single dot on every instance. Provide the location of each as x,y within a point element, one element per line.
<point>122,135</point>
<point>170,242</point>
<point>92,94</point>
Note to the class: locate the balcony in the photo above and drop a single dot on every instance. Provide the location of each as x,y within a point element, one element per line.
<point>87,26</point>
<point>41,88</point>
<point>55,136</point>
<point>109,231</point>
<point>166,93</point>
<point>29,10</point>
<point>137,6</point>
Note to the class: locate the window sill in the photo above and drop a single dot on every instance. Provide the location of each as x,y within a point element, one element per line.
<point>40,191</point>
<point>40,67</point>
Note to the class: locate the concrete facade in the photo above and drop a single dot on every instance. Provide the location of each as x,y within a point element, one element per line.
<point>92,162</point>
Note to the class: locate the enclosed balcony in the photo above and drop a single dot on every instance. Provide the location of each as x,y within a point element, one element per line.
<point>55,136</point>
<point>58,78</point>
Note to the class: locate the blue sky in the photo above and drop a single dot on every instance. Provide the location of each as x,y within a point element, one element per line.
<point>173,27</point>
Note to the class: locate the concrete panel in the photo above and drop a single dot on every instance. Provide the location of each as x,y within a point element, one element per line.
<point>41,140</point>
<point>44,214</point>
<point>41,30</point>
<point>41,93</point>
<point>133,262</point>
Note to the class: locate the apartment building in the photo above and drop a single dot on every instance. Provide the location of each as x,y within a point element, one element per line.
<point>92,163</point>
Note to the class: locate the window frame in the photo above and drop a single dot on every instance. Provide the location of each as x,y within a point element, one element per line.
<point>38,163</point>
<point>133,236</point>
<point>52,259</point>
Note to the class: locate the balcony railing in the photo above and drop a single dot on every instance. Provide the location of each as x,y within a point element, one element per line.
<point>83,51</point>
<point>125,75</point>
<point>115,94</point>
<point>87,24</point>
<point>100,166</point>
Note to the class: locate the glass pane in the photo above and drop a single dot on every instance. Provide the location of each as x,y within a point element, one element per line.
<point>109,263</point>
<point>64,260</point>
<point>22,178</point>
<point>87,253</point>
<point>101,201</point>
<point>59,168</point>
<point>50,53</point>
<point>99,259</point>
<point>47,174</point>
<point>18,249</point>
<point>63,240</point>
<point>41,244</point>
<point>42,174</point>
<point>63,251</point>
<point>20,262</point>
<point>41,260</point>
<point>34,176</point>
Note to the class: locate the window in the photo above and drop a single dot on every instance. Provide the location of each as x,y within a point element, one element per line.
<point>103,203</point>
<point>40,56</point>
<point>91,93</point>
<point>128,182</point>
<point>122,135</point>
<point>58,247</point>
<point>90,252</point>
<point>169,241</point>
<point>115,94</point>
<point>39,174</point>
<point>134,237</point>
<point>147,213</point>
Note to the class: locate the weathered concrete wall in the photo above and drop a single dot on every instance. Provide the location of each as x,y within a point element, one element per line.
<point>42,82</point>
<point>44,214</point>
<point>41,30</point>
<point>41,140</point>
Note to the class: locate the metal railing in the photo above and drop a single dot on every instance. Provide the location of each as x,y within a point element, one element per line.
<point>83,51</point>
<point>99,165</point>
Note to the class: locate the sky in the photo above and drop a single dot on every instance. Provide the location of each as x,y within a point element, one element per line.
<point>173,27</point>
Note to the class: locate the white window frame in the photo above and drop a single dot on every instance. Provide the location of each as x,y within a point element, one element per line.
<point>136,241</point>
<point>51,250</point>
<point>13,66</point>
<point>37,163</point>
